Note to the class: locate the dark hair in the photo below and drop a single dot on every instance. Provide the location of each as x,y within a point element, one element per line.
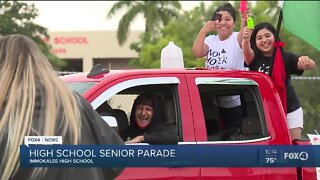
<point>229,8</point>
<point>255,31</point>
<point>143,98</point>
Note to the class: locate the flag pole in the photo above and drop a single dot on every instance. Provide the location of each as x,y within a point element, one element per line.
<point>277,38</point>
<point>279,25</point>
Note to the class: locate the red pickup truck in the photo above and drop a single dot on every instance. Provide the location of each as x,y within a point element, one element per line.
<point>189,97</point>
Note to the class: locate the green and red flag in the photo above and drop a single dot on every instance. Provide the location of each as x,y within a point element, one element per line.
<point>301,19</point>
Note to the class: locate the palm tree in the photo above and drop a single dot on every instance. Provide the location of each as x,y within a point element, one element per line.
<point>156,13</point>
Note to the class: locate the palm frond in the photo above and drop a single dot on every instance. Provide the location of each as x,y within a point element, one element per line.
<point>118,6</point>
<point>170,4</point>
<point>156,14</point>
<point>124,23</point>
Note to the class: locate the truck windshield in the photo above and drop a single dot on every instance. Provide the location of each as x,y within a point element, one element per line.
<point>80,87</point>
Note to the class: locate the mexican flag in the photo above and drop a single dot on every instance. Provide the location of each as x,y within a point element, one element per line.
<point>302,19</point>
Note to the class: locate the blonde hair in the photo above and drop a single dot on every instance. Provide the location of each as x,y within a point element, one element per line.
<point>33,101</point>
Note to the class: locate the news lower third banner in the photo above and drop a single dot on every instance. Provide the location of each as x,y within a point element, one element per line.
<point>169,156</point>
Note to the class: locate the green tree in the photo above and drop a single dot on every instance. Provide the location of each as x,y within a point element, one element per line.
<point>156,14</point>
<point>17,18</point>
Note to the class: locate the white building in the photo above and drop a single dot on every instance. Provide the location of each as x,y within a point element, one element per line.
<point>84,49</point>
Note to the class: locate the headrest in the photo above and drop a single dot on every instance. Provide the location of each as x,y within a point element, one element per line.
<point>121,117</point>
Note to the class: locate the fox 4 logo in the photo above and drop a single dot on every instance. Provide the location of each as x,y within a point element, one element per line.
<point>296,155</point>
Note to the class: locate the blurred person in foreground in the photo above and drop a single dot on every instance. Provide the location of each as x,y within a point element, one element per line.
<point>35,102</point>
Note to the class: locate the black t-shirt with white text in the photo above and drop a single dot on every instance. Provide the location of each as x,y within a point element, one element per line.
<point>263,63</point>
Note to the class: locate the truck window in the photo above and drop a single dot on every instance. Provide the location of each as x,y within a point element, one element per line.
<point>167,93</point>
<point>252,126</point>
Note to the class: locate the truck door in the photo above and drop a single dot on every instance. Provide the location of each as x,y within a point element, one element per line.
<point>208,94</point>
<point>172,89</point>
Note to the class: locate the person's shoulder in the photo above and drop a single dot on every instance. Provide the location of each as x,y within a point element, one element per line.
<point>159,126</point>
<point>233,37</point>
<point>211,37</point>
<point>78,96</point>
<point>83,103</point>
<point>289,55</point>
<point>257,60</point>
<point>85,108</point>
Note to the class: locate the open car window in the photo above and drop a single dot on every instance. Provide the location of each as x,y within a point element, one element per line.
<point>252,126</point>
<point>122,96</point>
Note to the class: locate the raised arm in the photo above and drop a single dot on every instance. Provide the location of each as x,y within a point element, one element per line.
<point>244,16</point>
<point>200,49</point>
<point>305,63</point>
<point>246,47</point>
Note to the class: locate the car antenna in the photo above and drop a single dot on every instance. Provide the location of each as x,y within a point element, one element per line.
<point>96,70</point>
